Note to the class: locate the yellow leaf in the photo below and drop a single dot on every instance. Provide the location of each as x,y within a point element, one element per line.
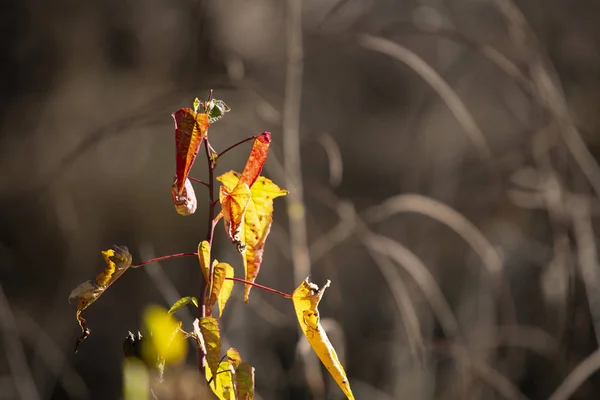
<point>306,299</point>
<point>204,257</point>
<point>234,202</point>
<point>221,288</point>
<point>222,385</point>
<point>209,327</point>
<point>234,357</point>
<point>118,260</point>
<point>167,343</point>
<point>257,219</point>
<point>244,375</point>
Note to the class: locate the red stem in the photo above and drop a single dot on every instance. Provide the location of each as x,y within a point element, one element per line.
<point>268,289</point>
<point>236,145</point>
<point>198,181</point>
<point>157,259</point>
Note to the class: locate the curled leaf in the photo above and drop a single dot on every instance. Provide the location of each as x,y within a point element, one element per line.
<point>257,220</point>
<point>204,257</point>
<point>118,260</point>
<point>185,202</point>
<point>190,129</point>
<point>216,109</point>
<point>244,375</point>
<point>306,299</point>
<point>209,327</point>
<point>184,301</point>
<point>256,159</point>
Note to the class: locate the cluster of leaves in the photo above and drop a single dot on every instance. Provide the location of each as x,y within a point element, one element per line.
<point>246,201</point>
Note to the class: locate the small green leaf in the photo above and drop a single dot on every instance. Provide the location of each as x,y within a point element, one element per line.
<point>216,109</point>
<point>179,304</point>
<point>245,381</point>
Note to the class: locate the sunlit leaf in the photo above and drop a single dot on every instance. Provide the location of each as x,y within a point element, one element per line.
<point>223,383</point>
<point>185,202</point>
<point>306,299</point>
<point>190,129</point>
<point>234,202</point>
<point>179,304</point>
<point>216,109</point>
<point>204,257</point>
<point>256,159</point>
<point>234,358</point>
<point>118,260</point>
<point>257,219</point>
<point>209,327</point>
<point>244,375</point>
<point>167,343</point>
<point>220,288</point>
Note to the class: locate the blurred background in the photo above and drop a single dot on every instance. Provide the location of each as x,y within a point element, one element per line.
<point>445,153</point>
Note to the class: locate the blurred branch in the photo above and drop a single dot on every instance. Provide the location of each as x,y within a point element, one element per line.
<point>15,354</point>
<point>577,377</point>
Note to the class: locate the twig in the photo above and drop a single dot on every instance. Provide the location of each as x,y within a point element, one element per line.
<point>577,377</point>
<point>233,146</point>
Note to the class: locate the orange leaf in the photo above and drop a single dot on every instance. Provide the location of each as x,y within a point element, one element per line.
<point>256,159</point>
<point>190,129</point>
<point>185,203</point>
<point>234,201</point>
<point>257,220</point>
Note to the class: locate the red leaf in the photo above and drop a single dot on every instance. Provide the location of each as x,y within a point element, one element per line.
<point>190,129</point>
<point>256,159</point>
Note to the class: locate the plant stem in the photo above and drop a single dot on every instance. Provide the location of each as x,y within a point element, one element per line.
<point>268,289</point>
<point>157,259</point>
<point>198,181</point>
<point>236,145</point>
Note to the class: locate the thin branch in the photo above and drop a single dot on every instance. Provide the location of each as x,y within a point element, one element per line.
<point>233,146</point>
<point>198,181</point>
<point>153,260</point>
<point>268,289</point>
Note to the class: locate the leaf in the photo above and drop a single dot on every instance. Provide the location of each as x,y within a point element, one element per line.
<point>118,260</point>
<point>245,381</point>
<point>220,289</point>
<point>190,129</point>
<point>185,202</point>
<point>234,358</point>
<point>204,257</point>
<point>179,304</point>
<point>216,109</point>
<point>234,202</point>
<point>209,327</point>
<point>306,299</point>
<point>257,219</point>
<point>256,159</point>
<point>223,384</point>
<point>167,343</point>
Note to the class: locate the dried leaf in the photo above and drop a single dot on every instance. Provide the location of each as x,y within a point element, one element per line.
<point>306,299</point>
<point>257,219</point>
<point>209,327</point>
<point>190,129</point>
<point>185,203</point>
<point>184,301</point>
<point>234,358</point>
<point>204,257</point>
<point>220,289</point>
<point>244,375</point>
<point>222,384</point>
<point>118,260</point>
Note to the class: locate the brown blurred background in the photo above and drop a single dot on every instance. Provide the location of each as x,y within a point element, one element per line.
<point>450,183</point>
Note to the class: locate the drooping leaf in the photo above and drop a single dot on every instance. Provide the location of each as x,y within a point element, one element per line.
<point>234,202</point>
<point>118,260</point>
<point>223,383</point>
<point>190,129</point>
<point>184,301</point>
<point>220,288</point>
<point>306,299</point>
<point>234,358</point>
<point>167,343</point>
<point>185,202</point>
<point>257,220</point>
<point>209,327</point>
<point>244,375</point>
<point>204,257</point>
<point>256,159</point>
